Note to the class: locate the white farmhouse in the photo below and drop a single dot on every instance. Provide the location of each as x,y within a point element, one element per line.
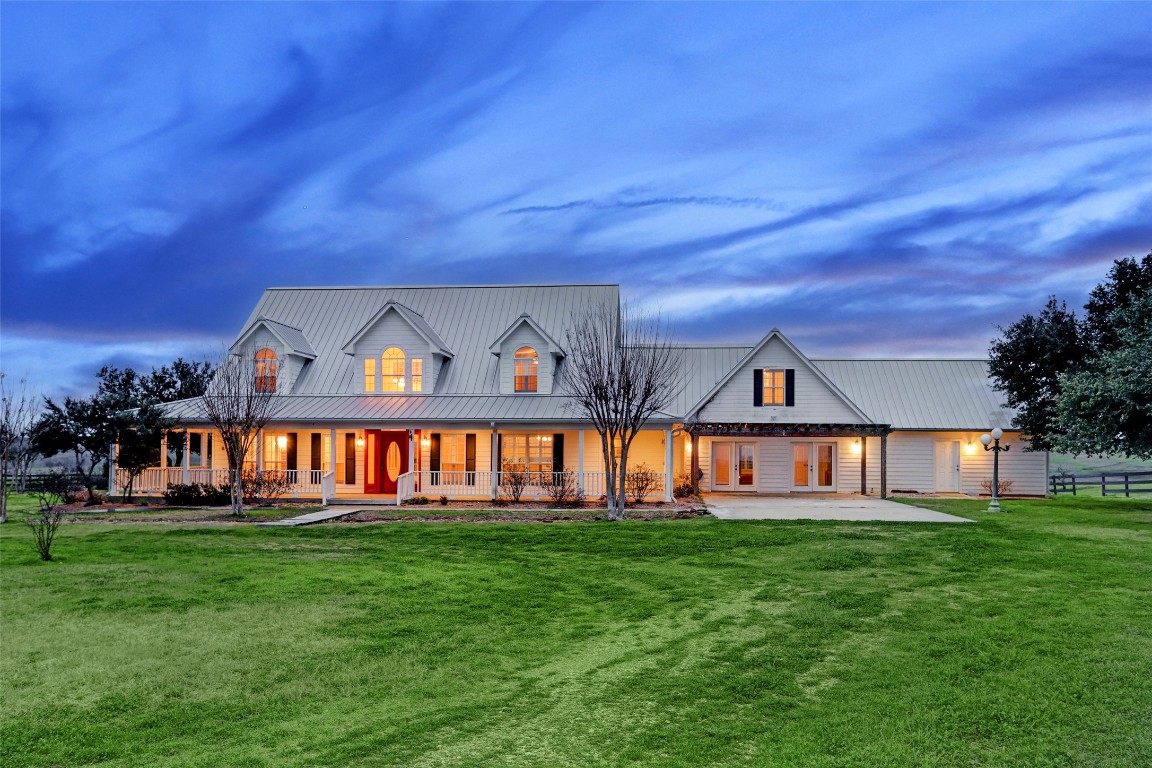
<point>393,392</point>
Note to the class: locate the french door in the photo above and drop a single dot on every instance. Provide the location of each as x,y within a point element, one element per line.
<point>814,467</point>
<point>733,466</point>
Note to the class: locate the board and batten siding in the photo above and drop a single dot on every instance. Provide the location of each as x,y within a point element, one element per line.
<point>525,336</point>
<point>392,330</point>
<point>815,401</point>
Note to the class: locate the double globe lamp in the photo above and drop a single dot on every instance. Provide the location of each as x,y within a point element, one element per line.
<point>991,442</point>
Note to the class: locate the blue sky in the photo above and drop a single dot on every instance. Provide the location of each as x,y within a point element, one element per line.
<point>873,179</point>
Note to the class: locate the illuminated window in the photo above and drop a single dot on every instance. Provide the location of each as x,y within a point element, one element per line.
<point>527,369</point>
<point>453,449</point>
<point>417,374</point>
<point>531,453</point>
<point>266,366</point>
<point>773,387</point>
<point>370,374</point>
<point>392,370</point>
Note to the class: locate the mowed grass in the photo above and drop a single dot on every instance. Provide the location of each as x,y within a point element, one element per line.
<point>1024,640</point>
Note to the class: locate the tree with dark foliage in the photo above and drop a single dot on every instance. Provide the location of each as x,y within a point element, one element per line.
<point>1082,385</point>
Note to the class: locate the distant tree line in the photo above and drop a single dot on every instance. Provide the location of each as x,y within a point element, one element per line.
<point>1083,385</point>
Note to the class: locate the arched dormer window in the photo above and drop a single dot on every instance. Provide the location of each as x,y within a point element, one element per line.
<point>266,368</point>
<point>527,369</point>
<point>392,370</point>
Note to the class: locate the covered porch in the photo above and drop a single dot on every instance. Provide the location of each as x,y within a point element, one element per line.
<point>789,458</point>
<point>390,464</point>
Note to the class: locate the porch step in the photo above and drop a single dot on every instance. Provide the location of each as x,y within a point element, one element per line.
<point>320,516</point>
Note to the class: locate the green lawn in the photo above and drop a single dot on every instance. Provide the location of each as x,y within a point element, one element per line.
<point>1024,640</point>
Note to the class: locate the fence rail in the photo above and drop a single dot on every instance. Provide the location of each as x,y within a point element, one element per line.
<point>1109,483</point>
<point>34,481</point>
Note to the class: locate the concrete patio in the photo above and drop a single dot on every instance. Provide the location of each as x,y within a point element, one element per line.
<point>854,508</point>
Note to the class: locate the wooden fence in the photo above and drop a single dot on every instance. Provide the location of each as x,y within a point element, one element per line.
<point>1109,483</point>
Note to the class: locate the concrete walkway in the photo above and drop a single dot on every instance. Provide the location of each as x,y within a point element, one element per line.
<point>320,516</point>
<point>728,506</point>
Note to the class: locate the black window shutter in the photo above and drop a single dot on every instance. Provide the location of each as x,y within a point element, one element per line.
<point>789,386</point>
<point>758,387</point>
<point>290,458</point>
<point>470,459</point>
<point>558,452</point>
<point>317,451</point>
<point>434,453</point>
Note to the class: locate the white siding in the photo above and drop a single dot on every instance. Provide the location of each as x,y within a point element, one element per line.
<point>815,401</point>
<point>912,463</point>
<point>525,336</point>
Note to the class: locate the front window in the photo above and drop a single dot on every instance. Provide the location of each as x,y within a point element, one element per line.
<point>531,453</point>
<point>774,387</point>
<point>266,367</point>
<point>417,374</point>
<point>527,369</point>
<point>453,450</point>
<point>392,369</point>
<point>370,374</point>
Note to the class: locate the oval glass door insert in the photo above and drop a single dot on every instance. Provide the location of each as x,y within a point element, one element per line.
<point>392,461</point>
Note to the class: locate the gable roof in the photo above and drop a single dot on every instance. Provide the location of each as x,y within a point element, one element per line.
<point>293,339</point>
<point>525,318</point>
<point>776,334</point>
<point>413,318</point>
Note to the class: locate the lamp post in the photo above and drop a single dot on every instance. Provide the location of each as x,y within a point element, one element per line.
<point>991,442</point>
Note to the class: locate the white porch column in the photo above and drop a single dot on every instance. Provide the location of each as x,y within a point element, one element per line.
<point>668,465</point>
<point>411,451</point>
<point>495,460</point>
<point>187,463</point>
<point>580,461</point>
<point>259,450</point>
<point>164,451</point>
<point>332,451</point>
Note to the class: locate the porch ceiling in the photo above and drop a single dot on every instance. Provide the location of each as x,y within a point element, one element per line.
<point>787,430</point>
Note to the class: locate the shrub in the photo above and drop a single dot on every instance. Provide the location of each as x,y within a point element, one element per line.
<point>443,501</point>
<point>418,501</point>
<point>197,495</point>
<point>47,520</point>
<point>513,481</point>
<point>560,487</point>
<point>263,486</point>
<point>640,482</point>
<point>683,487</point>
<point>1003,488</point>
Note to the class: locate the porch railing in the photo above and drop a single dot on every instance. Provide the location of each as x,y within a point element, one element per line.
<point>301,482</point>
<point>327,487</point>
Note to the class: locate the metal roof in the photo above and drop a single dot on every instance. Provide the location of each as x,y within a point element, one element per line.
<point>466,318</point>
<point>921,394</point>
<point>293,338</point>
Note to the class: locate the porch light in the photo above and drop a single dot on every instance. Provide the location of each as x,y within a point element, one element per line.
<point>856,446</point>
<point>970,447</point>
<point>425,442</point>
<point>688,449</point>
<point>359,442</point>
<point>282,442</point>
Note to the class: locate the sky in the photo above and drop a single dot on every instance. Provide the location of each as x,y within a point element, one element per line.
<point>874,179</point>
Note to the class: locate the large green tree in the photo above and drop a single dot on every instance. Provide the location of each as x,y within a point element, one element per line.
<point>1071,379</point>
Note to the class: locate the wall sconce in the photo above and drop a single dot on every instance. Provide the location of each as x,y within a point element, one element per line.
<point>970,447</point>
<point>282,442</point>
<point>856,446</point>
<point>425,442</point>
<point>688,448</point>
<point>359,441</point>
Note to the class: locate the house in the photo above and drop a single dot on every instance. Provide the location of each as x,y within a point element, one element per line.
<point>392,392</point>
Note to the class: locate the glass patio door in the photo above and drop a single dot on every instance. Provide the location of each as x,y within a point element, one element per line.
<point>814,467</point>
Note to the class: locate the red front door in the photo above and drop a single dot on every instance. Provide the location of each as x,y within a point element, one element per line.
<point>385,459</point>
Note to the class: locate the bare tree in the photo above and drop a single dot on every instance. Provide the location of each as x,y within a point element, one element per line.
<point>19,410</point>
<point>622,369</point>
<point>48,517</point>
<point>239,405</point>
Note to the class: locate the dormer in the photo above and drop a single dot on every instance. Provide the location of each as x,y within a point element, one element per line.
<point>528,358</point>
<point>397,352</point>
<point>280,353</point>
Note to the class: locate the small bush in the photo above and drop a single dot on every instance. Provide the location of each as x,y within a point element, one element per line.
<point>47,520</point>
<point>683,487</point>
<point>1003,488</point>
<point>640,482</point>
<point>560,487</point>
<point>263,486</point>
<point>443,501</point>
<point>197,495</point>
<point>418,501</point>
<point>513,481</point>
